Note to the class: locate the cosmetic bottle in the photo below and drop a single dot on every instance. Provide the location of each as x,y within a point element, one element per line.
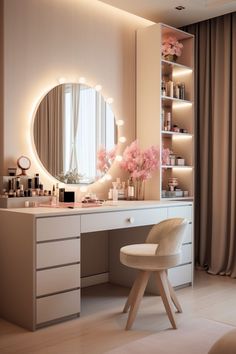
<point>170,88</point>
<point>36,181</point>
<point>114,192</point>
<point>130,191</point>
<point>110,194</point>
<point>29,183</point>
<point>21,190</point>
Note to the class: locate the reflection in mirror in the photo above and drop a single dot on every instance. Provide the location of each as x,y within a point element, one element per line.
<point>72,123</point>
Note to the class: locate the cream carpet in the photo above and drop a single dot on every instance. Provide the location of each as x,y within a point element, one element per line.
<point>192,337</point>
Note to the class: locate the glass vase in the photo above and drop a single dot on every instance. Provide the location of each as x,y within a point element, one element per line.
<point>139,189</point>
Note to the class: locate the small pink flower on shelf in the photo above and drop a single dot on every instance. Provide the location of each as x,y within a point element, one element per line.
<point>171,46</point>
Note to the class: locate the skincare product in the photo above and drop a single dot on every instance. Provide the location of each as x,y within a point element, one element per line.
<point>131,189</point>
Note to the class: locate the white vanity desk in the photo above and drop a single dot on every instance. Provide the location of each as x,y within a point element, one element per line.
<point>40,254</point>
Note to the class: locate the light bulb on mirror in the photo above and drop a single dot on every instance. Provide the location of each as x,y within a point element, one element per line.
<point>62,80</point>
<point>119,158</point>
<point>122,139</point>
<point>98,88</point>
<point>108,177</point>
<point>110,100</point>
<point>82,80</point>
<point>120,122</point>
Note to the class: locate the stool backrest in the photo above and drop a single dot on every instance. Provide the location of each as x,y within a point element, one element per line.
<point>169,235</point>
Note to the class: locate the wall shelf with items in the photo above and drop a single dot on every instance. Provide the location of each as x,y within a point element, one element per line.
<point>165,109</point>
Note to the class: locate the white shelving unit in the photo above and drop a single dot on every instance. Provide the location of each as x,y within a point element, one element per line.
<point>152,108</point>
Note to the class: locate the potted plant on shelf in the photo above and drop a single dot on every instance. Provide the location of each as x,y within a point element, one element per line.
<point>171,48</point>
<point>140,165</point>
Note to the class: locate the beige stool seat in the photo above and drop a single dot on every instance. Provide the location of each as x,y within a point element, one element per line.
<point>161,251</point>
<point>226,344</point>
<point>143,256</point>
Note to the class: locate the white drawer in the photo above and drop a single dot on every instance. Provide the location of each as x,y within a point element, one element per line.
<point>56,253</point>
<point>122,219</point>
<point>180,275</point>
<point>58,279</point>
<point>53,228</point>
<point>56,306</point>
<point>180,212</point>
<point>187,256</point>
<point>189,234</point>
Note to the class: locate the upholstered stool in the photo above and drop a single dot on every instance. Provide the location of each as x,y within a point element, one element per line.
<point>225,345</point>
<point>161,251</point>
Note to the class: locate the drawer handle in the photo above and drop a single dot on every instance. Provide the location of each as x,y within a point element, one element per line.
<point>190,222</point>
<point>131,220</point>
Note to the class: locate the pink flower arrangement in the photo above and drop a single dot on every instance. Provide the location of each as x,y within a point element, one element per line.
<point>140,164</point>
<point>105,159</point>
<point>171,46</point>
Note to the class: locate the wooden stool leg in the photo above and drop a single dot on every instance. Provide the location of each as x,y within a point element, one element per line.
<point>137,297</point>
<point>133,292</point>
<point>174,297</point>
<point>163,287</point>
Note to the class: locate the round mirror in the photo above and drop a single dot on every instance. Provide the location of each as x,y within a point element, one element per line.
<point>75,134</point>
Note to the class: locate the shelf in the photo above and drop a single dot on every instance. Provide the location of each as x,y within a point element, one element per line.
<point>176,100</point>
<point>169,134</point>
<point>176,64</point>
<point>177,198</point>
<point>177,166</point>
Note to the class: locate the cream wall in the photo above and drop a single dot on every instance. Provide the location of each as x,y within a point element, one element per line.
<point>49,39</point>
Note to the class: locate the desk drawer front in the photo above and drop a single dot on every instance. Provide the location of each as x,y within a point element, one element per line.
<point>56,253</point>
<point>180,275</point>
<point>56,306</point>
<point>54,280</point>
<point>187,256</point>
<point>180,212</point>
<point>53,228</point>
<point>122,219</point>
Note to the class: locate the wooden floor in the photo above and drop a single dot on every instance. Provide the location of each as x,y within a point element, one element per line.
<point>101,325</point>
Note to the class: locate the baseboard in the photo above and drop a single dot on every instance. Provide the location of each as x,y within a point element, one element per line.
<point>94,280</point>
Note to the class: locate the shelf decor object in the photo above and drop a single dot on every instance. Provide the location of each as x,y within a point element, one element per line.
<point>171,48</point>
<point>165,107</point>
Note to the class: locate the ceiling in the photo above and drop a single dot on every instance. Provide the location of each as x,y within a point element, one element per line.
<point>164,10</point>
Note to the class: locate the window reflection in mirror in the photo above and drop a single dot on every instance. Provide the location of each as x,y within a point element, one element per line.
<point>71,124</point>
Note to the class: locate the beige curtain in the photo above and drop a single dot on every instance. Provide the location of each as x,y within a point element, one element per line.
<point>48,130</point>
<point>215,209</point>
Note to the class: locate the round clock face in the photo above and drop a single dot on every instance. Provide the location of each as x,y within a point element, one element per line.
<point>24,162</point>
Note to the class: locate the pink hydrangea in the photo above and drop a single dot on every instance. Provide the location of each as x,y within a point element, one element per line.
<point>105,159</point>
<point>171,46</point>
<point>140,164</point>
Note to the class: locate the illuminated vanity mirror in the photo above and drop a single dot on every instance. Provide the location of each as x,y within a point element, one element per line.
<point>72,123</point>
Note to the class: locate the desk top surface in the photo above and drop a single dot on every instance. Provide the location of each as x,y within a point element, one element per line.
<point>105,208</point>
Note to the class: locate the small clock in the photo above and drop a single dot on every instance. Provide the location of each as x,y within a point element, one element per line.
<point>24,164</point>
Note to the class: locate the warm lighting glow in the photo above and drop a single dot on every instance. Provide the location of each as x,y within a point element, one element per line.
<point>181,72</point>
<point>181,104</point>
<point>83,189</point>
<point>122,139</point>
<point>108,177</point>
<point>119,158</point>
<point>98,88</point>
<point>62,80</point>
<point>120,122</point>
<point>182,137</point>
<point>110,100</point>
<point>101,180</point>
<point>82,80</point>
<point>182,168</point>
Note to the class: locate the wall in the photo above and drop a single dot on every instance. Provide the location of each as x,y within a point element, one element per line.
<point>46,40</point>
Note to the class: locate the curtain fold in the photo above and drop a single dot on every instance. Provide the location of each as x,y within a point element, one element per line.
<point>215,179</point>
<point>48,128</point>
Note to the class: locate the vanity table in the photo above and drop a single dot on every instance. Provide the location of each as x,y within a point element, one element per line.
<point>40,254</point>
